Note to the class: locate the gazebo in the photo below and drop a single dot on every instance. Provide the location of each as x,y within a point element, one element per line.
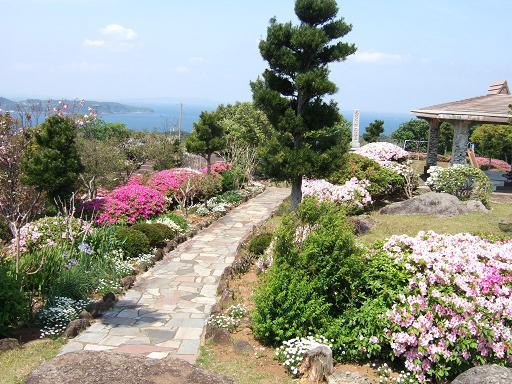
<point>493,108</point>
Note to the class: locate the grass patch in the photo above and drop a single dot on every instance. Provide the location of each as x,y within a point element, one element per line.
<point>476,223</point>
<point>17,364</point>
<point>244,369</point>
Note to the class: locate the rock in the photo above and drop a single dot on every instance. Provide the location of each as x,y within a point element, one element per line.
<point>76,326</point>
<point>109,298</point>
<point>216,309</point>
<point>171,245</point>
<point>347,378</point>
<point>85,315</point>
<point>217,335</point>
<point>488,374</point>
<point>89,367</point>
<point>242,346</point>
<point>128,281</point>
<point>8,344</point>
<point>226,297</point>
<point>159,255</point>
<point>506,224</point>
<point>317,363</point>
<point>433,203</point>
<point>362,224</point>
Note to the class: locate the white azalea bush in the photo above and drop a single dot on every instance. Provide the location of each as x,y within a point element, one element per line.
<point>463,181</point>
<point>382,151</point>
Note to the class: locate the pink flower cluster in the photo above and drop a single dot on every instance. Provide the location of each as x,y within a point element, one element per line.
<point>457,308</point>
<point>494,163</point>
<point>169,180</point>
<point>218,167</point>
<point>130,203</point>
<point>383,151</point>
<point>351,194</point>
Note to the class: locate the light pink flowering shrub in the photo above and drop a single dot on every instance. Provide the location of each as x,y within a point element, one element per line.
<point>457,309</point>
<point>493,163</point>
<point>168,181</point>
<point>382,151</point>
<point>130,203</point>
<point>352,195</point>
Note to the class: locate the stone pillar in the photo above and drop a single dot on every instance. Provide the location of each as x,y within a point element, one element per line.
<point>460,142</point>
<point>355,130</point>
<point>433,143</point>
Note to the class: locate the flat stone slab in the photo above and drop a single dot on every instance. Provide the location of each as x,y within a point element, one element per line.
<point>164,313</point>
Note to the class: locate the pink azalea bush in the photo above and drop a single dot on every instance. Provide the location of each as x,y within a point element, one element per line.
<point>168,181</point>
<point>130,203</point>
<point>352,194</point>
<point>218,167</point>
<point>493,163</point>
<point>382,151</point>
<point>457,309</point>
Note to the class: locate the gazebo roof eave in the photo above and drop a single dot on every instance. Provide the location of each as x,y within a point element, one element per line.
<point>480,117</point>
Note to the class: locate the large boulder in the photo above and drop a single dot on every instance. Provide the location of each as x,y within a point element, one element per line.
<point>88,367</point>
<point>433,203</point>
<point>488,374</point>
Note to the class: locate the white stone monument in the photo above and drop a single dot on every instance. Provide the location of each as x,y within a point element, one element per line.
<point>355,129</point>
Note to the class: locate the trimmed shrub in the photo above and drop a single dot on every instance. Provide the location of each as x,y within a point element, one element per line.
<point>463,181</point>
<point>13,302</point>
<point>154,233</point>
<point>259,243</point>
<point>135,242</point>
<point>232,179</point>
<point>383,181</point>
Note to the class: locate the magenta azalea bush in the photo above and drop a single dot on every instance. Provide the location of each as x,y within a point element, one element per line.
<point>352,194</point>
<point>457,309</point>
<point>218,167</point>
<point>130,203</point>
<point>168,181</point>
<point>383,151</point>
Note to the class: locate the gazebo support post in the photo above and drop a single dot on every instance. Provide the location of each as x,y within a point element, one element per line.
<point>460,142</point>
<point>433,144</point>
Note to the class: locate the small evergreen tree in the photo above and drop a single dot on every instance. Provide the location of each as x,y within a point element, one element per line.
<point>52,163</point>
<point>306,141</point>
<point>373,131</point>
<point>414,129</point>
<point>207,137</point>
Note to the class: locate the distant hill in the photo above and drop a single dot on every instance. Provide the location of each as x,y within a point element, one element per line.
<point>101,107</point>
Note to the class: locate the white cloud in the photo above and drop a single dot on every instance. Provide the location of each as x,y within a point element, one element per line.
<point>94,43</point>
<point>113,36</point>
<point>118,32</point>
<point>377,57</point>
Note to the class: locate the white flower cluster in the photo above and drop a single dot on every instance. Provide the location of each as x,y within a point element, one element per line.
<point>108,285</point>
<point>121,267</point>
<point>202,211</point>
<point>143,261</point>
<point>231,320</point>
<point>166,221</point>
<point>55,318</point>
<point>292,351</point>
<point>386,376</point>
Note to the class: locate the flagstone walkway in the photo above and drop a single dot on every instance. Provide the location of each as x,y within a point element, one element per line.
<point>166,310</point>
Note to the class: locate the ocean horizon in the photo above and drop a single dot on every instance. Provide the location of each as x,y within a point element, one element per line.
<point>165,117</point>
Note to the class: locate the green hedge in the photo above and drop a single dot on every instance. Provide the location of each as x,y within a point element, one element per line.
<point>156,233</point>
<point>134,242</point>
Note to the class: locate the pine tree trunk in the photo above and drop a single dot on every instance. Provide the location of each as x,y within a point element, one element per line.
<point>209,163</point>
<point>296,192</point>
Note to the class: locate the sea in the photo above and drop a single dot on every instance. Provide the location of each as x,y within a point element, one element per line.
<point>165,117</point>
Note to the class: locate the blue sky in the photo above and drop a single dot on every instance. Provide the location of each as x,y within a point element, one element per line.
<point>411,53</point>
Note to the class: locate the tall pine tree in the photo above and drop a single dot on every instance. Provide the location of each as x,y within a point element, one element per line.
<point>373,131</point>
<point>306,141</point>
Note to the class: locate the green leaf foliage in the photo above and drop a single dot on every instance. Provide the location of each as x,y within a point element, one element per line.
<point>414,129</point>
<point>383,181</point>
<point>305,140</point>
<point>156,233</point>
<point>134,243</point>
<point>52,163</point>
<point>13,302</point>
<point>207,136</point>
<point>259,243</point>
<point>374,131</point>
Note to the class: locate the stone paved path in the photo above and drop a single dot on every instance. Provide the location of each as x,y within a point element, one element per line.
<point>165,312</point>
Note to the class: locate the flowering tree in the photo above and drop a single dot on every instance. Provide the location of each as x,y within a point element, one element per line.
<point>18,202</point>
